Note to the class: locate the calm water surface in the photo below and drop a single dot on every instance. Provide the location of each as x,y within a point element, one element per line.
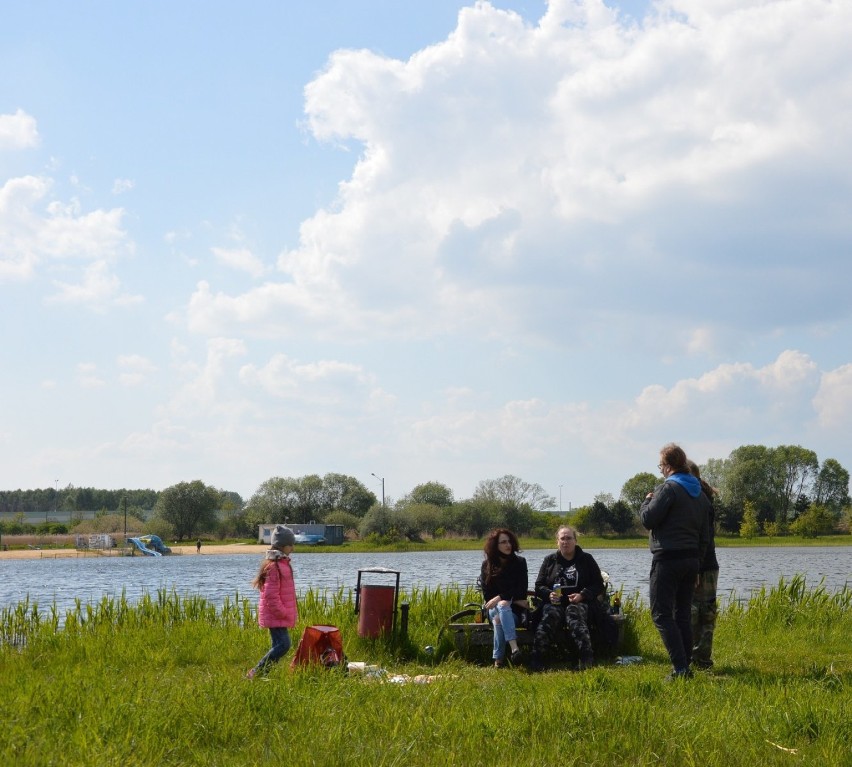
<point>215,577</point>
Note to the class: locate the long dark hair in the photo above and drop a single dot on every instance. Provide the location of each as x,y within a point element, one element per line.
<point>708,489</point>
<point>495,561</point>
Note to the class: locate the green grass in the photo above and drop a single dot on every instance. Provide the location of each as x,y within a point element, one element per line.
<point>161,682</point>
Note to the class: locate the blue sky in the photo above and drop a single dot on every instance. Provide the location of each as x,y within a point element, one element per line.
<point>431,241</point>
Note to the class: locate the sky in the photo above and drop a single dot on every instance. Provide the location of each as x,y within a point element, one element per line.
<point>420,240</point>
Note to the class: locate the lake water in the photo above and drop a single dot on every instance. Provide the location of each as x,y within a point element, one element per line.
<point>742,570</point>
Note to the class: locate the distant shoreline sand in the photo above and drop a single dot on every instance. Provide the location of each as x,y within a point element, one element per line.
<point>188,550</point>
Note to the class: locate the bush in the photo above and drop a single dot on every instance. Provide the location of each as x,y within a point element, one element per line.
<point>107,523</point>
<point>14,527</point>
<point>50,528</point>
<point>159,526</point>
<point>816,521</point>
<point>235,526</point>
<point>345,518</point>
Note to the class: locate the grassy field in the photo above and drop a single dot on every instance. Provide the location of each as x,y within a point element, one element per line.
<point>162,682</point>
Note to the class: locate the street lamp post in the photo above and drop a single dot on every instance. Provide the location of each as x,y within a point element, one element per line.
<point>55,500</point>
<point>125,519</point>
<point>560,499</point>
<point>383,486</point>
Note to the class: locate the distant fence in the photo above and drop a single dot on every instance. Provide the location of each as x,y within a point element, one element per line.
<point>62,516</point>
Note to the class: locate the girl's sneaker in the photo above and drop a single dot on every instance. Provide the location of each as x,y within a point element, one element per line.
<point>250,673</point>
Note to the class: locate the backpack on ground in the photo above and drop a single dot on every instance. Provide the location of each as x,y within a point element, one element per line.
<point>320,645</point>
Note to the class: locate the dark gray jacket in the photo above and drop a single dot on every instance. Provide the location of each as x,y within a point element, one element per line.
<point>678,524</point>
<point>589,581</point>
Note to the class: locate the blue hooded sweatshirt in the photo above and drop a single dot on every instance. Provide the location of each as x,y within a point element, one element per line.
<point>688,483</point>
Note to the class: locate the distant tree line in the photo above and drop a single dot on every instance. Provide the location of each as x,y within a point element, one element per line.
<point>760,490</point>
<point>75,499</point>
<point>188,509</point>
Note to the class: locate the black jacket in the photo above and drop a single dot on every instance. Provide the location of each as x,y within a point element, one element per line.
<point>583,575</point>
<point>678,524</point>
<point>510,583</point>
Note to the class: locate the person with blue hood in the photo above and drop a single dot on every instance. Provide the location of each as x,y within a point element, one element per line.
<point>677,516</point>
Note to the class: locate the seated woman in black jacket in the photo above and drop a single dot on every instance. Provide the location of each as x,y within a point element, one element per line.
<point>568,582</point>
<point>504,582</point>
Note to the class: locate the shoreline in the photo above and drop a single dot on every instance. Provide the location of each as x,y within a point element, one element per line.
<point>180,550</point>
<point>258,549</point>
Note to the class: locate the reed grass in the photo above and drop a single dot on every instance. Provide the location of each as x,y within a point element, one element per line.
<point>161,682</point>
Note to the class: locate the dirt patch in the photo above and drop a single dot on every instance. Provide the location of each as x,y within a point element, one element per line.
<point>56,546</point>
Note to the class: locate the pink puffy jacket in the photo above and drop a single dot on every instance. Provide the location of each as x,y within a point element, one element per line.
<point>277,605</point>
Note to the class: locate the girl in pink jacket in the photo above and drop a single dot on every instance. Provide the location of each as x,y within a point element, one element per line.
<point>276,609</point>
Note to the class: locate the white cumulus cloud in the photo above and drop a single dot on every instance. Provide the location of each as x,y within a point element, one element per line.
<point>18,131</point>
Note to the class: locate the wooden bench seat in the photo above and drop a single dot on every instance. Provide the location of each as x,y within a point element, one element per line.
<point>469,635</point>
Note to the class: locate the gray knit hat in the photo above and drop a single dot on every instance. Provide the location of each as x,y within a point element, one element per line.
<point>282,536</point>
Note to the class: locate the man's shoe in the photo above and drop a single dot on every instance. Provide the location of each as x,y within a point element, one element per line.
<point>515,657</point>
<point>587,660</point>
<point>680,673</point>
<point>703,665</point>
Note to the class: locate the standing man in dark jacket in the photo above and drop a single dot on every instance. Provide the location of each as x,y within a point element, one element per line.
<point>677,517</point>
<point>568,581</point>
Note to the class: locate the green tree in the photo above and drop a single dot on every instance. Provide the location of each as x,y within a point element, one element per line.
<point>308,499</point>
<point>425,517</point>
<point>831,488</point>
<point>344,493</point>
<point>633,491</point>
<point>189,507</point>
<point>475,516</point>
<point>272,501</point>
<point>750,527</point>
<point>380,521</point>
<point>713,472</point>
<point>816,521</point>
<point>579,518</point>
<point>621,518</point>
<point>433,493</point>
<point>751,475</point>
<point>597,520</point>
<point>796,470</point>
<point>514,491</point>
<point>545,524</point>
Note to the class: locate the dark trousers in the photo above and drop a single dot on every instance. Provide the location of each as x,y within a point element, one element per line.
<point>280,644</point>
<point>553,618</point>
<point>672,584</point>
<point>704,609</point>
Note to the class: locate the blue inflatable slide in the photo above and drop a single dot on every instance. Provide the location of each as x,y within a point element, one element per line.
<point>150,545</point>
